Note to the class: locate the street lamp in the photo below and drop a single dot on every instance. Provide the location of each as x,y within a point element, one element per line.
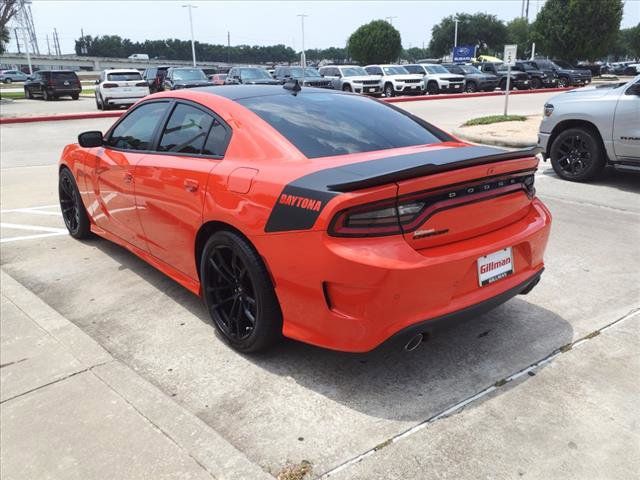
<point>193,45</point>
<point>304,56</point>
<point>455,35</point>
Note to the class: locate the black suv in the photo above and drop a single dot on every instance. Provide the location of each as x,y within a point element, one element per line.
<point>154,76</point>
<point>474,79</point>
<point>567,75</point>
<point>310,77</point>
<point>249,76</point>
<point>185,77</point>
<point>519,80</point>
<point>52,84</point>
<point>537,78</point>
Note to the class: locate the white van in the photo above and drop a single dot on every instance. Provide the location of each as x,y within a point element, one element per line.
<point>138,56</point>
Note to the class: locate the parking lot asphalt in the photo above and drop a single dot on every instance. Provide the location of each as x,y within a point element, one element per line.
<point>299,403</point>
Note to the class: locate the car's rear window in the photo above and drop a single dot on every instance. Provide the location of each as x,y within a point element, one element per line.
<point>327,124</point>
<point>63,75</point>
<point>124,76</point>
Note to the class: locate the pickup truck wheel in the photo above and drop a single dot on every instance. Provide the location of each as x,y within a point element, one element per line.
<point>563,82</point>
<point>577,155</point>
<point>471,87</point>
<point>238,293</point>
<point>388,91</point>
<point>432,88</point>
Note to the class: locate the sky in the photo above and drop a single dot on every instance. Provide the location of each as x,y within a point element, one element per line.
<point>329,23</point>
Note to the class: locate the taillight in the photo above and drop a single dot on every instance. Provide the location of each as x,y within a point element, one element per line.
<point>109,85</point>
<point>142,84</point>
<point>405,214</point>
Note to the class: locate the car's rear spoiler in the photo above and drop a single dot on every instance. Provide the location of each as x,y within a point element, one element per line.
<point>372,173</point>
<point>301,201</point>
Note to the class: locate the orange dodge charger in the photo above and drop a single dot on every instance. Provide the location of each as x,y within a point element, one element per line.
<point>323,216</point>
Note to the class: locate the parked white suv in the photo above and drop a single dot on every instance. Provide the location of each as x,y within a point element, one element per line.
<point>117,88</point>
<point>396,80</point>
<point>351,78</point>
<point>437,78</point>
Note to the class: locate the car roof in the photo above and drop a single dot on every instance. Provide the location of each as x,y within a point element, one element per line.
<point>121,70</point>
<point>238,92</point>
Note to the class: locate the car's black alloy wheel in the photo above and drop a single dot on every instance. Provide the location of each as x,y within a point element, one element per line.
<point>576,154</point>
<point>470,87</point>
<point>388,90</point>
<point>432,88</point>
<point>238,293</point>
<point>563,82</point>
<point>535,83</point>
<point>73,211</point>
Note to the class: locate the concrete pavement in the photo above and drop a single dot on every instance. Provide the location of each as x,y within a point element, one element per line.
<point>69,410</point>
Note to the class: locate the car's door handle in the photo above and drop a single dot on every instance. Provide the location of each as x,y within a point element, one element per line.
<point>128,177</point>
<point>191,185</point>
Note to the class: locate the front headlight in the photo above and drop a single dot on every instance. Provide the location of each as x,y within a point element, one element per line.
<point>358,81</point>
<point>548,109</point>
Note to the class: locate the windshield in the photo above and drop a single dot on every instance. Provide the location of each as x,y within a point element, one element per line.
<point>189,74</point>
<point>354,72</point>
<point>469,69</point>
<point>395,70</point>
<point>124,76</point>
<point>254,74</point>
<point>564,64</point>
<point>436,69</point>
<point>308,72</point>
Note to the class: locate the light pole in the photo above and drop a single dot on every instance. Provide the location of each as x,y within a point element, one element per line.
<point>455,34</point>
<point>303,59</point>
<point>193,45</point>
<point>26,47</point>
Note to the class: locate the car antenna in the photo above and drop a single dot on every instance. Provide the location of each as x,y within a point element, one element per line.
<point>293,85</point>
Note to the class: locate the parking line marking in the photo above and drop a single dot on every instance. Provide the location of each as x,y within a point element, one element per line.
<point>35,228</point>
<point>30,237</point>
<point>35,211</point>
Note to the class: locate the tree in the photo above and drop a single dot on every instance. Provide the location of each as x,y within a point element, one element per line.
<point>577,29</point>
<point>8,8</point>
<point>414,54</point>
<point>375,42</point>
<point>627,43</point>
<point>485,31</point>
<point>518,34</point>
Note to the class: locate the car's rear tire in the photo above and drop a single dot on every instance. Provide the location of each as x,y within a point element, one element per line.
<point>73,212</point>
<point>389,91</point>
<point>577,155</point>
<point>98,103</point>
<point>27,93</point>
<point>238,293</point>
<point>432,88</point>
<point>471,87</point>
<point>75,97</point>
<point>7,80</point>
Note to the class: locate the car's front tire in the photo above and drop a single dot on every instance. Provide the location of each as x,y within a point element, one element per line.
<point>7,80</point>
<point>75,96</point>
<point>45,95</point>
<point>73,212</point>
<point>563,82</point>
<point>471,87</point>
<point>27,93</point>
<point>389,91</point>
<point>238,293</point>
<point>432,88</point>
<point>535,83</point>
<point>577,155</point>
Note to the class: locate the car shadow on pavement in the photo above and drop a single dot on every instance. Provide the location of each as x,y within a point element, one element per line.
<point>390,382</point>
<point>625,181</point>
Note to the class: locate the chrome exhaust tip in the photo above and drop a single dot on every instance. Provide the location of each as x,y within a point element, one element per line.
<point>414,343</point>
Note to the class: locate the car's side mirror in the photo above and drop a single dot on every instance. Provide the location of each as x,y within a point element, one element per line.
<point>91,139</point>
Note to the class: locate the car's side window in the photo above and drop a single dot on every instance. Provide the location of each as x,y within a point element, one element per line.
<point>136,130</point>
<point>186,131</point>
<point>217,140</point>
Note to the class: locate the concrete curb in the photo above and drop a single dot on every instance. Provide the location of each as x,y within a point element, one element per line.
<point>60,117</point>
<point>475,138</point>
<point>212,452</point>
<point>419,98</point>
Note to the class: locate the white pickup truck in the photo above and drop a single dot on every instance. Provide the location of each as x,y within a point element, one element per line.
<point>586,129</point>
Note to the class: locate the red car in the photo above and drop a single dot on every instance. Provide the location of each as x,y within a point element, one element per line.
<point>323,216</point>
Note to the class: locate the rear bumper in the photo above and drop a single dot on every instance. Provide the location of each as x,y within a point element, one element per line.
<point>353,294</point>
<point>123,100</point>
<point>429,327</point>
